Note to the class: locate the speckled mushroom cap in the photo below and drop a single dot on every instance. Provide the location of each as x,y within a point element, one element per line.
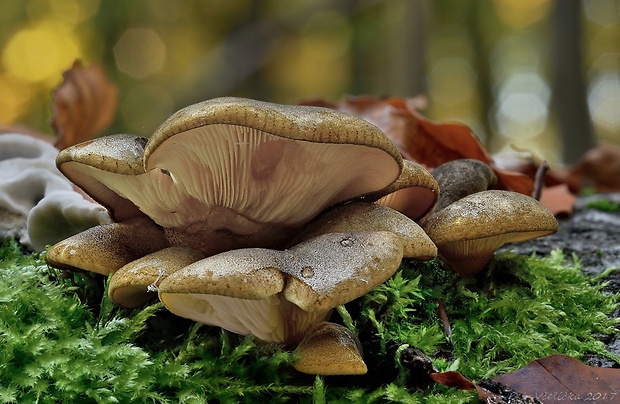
<point>278,294</point>
<point>93,164</point>
<point>241,168</point>
<point>462,177</point>
<point>106,248</point>
<point>468,231</point>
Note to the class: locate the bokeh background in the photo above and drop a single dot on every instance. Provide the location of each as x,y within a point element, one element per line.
<point>536,75</point>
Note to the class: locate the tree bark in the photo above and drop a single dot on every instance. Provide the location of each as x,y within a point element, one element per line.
<point>569,89</point>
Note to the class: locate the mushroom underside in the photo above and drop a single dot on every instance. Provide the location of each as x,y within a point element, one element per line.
<point>273,319</point>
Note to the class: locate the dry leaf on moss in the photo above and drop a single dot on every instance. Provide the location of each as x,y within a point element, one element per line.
<point>419,139</point>
<point>83,105</point>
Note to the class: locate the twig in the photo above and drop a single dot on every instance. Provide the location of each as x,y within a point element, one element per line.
<point>444,319</point>
<point>539,179</point>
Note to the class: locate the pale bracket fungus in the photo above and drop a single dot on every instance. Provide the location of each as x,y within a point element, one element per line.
<point>32,188</point>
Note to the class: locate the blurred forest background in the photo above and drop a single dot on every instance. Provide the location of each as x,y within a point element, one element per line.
<point>540,75</point>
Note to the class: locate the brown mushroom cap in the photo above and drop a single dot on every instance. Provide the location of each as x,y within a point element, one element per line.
<point>135,283</point>
<point>365,216</point>
<point>413,194</point>
<point>109,156</point>
<point>330,349</point>
<point>245,170</point>
<point>468,231</point>
<point>462,177</point>
<point>104,249</point>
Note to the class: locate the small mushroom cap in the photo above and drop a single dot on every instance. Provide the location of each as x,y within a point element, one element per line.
<point>462,177</point>
<point>330,349</point>
<point>335,268</point>
<point>93,164</point>
<point>366,216</point>
<point>413,194</point>
<point>134,284</point>
<point>104,249</point>
<point>468,231</point>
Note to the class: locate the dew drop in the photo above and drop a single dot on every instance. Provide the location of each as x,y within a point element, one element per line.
<point>307,272</point>
<point>347,242</point>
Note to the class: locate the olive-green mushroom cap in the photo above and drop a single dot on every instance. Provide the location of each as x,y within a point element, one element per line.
<point>104,249</point>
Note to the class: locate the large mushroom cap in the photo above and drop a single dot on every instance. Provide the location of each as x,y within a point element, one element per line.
<point>238,291</point>
<point>243,169</point>
<point>364,216</point>
<point>468,231</point>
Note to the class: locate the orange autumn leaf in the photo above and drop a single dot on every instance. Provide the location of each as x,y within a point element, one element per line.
<point>558,199</point>
<point>424,141</point>
<point>83,105</point>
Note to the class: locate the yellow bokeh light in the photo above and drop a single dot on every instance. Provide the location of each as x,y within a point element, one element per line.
<point>140,52</point>
<point>70,12</point>
<point>14,100</point>
<point>39,53</point>
<point>521,13</point>
<point>315,64</point>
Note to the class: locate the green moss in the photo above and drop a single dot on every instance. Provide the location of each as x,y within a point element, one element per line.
<point>58,349</point>
<point>604,205</point>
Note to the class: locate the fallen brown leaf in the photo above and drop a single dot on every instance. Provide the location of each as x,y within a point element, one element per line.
<point>83,105</point>
<point>558,199</point>
<point>424,141</point>
<point>555,378</point>
<point>563,378</point>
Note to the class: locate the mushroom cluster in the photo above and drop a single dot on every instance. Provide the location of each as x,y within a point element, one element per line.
<point>255,217</point>
<point>262,218</point>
